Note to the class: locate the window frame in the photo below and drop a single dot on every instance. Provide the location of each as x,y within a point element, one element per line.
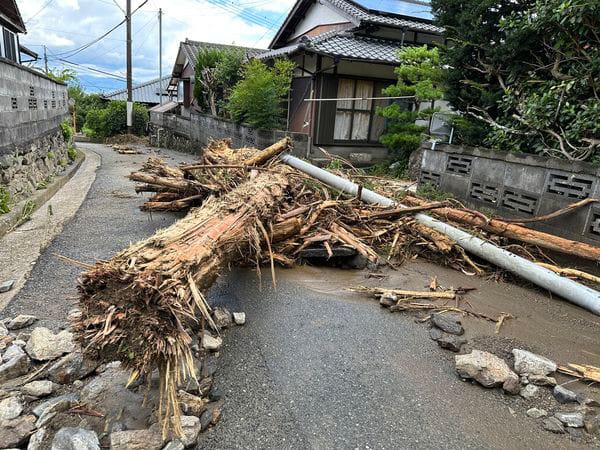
<point>12,36</point>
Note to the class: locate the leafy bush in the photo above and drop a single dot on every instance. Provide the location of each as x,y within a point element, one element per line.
<point>112,120</point>
<point>72,153</point>
<point>420,76</point>
<point>51,155</point>
<point>67,131</point>
<point>4,201</point>
<point>84,103</point>
<point>257,99</point>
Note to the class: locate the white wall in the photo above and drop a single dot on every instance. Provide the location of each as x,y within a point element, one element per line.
<point>318,14</point>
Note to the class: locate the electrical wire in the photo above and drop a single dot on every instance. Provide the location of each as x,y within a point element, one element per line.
<point>44,6</point>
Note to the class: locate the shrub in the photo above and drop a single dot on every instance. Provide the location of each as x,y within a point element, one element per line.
<point>51,155</point>
<point>112,120</point>
<point>72,153</point>
<point>4,201</point>
<point>257,99</point>
<point>67,131</point>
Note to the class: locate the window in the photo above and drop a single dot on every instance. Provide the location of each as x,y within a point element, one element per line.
<point>10,47</point>
<point>355,120</point>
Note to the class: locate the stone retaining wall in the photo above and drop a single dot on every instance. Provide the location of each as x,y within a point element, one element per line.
<point>518,186</point>
<point>192,134</point>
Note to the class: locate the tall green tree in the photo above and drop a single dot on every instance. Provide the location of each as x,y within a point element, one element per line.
<point>420,79</point>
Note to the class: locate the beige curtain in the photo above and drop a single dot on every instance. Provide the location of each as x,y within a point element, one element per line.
<point>342,126</point>
<point>364,89</point>
<point>360,127</point>
<point>345,90</point>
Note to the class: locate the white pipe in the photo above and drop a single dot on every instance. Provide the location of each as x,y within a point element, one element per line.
<point>568,289</point>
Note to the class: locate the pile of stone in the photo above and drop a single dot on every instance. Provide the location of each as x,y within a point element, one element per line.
<point>52,396</point>
<point>530,375</point>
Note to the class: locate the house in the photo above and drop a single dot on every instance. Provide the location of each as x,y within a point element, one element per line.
<point>11,24</point>
<point>182,78</point>
<point>345,53</point>
<point>148,93</point>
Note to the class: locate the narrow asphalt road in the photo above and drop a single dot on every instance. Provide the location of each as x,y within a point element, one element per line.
<point>311,368</point>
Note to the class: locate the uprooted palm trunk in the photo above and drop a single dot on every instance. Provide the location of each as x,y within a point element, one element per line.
<point>137,306</point>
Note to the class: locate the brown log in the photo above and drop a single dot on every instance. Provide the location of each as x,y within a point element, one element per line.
<point>269,153</point>
<point>515,232</point>
<point>572,207</point>
<point>173,205</point>
<point>399,212</point>
<point>172,183</point>
<point>377,291</point>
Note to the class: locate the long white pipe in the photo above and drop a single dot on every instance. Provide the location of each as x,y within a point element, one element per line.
<point>568,289</point>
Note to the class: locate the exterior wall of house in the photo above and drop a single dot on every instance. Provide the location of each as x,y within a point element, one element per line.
<point>316,16</point>
<point>32,107</point>
<point>9,44</point>
<point>519,186</point>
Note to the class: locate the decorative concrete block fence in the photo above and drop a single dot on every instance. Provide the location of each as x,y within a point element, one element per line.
<point>518,186</point>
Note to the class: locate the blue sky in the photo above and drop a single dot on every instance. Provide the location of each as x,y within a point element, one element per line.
<point>66,25</point>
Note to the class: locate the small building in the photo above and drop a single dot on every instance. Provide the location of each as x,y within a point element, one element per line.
<point>184,70</point>
<point>345,53</point>
<point>148,93</point>
<point>11,24</point>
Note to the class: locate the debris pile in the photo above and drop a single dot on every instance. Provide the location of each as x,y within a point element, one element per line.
<point>145,306</point>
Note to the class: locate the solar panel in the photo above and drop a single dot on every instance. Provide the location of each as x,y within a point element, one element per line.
<point>411,8</point>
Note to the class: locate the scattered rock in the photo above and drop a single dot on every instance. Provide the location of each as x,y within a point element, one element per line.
<point>14,367</point>
<point>38,388</point>
<point>541,380</point>
<point>21,321</point>
<point>215,394</point>
<point>388,299</point>
<point>36,440</point>
<point>71,368</point>
<point>239,318</point>
<point>192,404</point>
<point>445,340</point>
<point>575,433</point>
<point>216,414</point>
<point>205,419</point>
<point>209,367</point>
<point>117,426</point>
<point>222,317</point>
<point>19,343</point>
<point>15,432</point>
<point>591,422</point>
<point>191,429</point>
<point>512,384</point>
<point>485,368</point>
<point>12,352</point>
<point>45,419</point>
<point>174,445</point>
<point>136,440</point>
<point>532,364</point>
<point>536,413</point>
<point>530,391</point>
<point>43,345</point>
<point>3,330</point>
<point>63,401</point>
<point>573,419</point>
<point>75,439</point>
<point>448,323</point>
<point>564,395</point>
<point>6,286</point>
<point>11,408</point>
<point>554,425</point>
<point>211,343</point>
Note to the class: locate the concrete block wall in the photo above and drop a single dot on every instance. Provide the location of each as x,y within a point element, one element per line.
<point>192,134</point>
<point>517,186</point>
<point>32,147</point>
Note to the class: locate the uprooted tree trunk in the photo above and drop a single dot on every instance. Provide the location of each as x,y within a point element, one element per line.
<point>137,306</point>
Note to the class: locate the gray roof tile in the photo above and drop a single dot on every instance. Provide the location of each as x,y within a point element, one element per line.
<point>148,92</point>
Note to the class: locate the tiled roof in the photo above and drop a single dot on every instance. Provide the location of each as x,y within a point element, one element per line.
<point>148,92</point>
<point>362,14</point>
<point>191,49</point>
<point>343,44</point>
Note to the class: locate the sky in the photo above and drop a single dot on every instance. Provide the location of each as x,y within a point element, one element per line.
<point>64,26</point>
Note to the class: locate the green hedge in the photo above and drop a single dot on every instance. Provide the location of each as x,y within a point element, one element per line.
<point>112,120</point>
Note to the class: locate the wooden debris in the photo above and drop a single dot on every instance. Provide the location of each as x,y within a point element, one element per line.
<point>583,372</point>
<point>377,291</point>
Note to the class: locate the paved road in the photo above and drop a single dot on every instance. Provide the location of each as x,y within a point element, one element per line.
<point>313,368</point>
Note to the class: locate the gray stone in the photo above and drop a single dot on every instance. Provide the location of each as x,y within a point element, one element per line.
<point>38,388</point>
<point>64,401</point>
<point>554,425</point>
<point>448,341</point>
<point>536,413</point>
<point>174,445</point>
<point>512,384</point>
<point>15,432</point>
<point>448,323</point>
<point>71,368</point>
<point>541,380</point>
<point>532,364</point>
<point>222,317</point>
<point>6,286</point>
<point>43,345</point>
<point>564,395</point>
<point>211,343</point>
<point>239,318</point>
<point>485,368</point>
<point>45,419</point>
<point>3,330</point>
<point>136,440</point>
<point>209,366</point>
<point>215,394</point>
<point>572,419</point>
<point>530,391</point>
<point>36,440</point>
<point>206,419</point>
<point>591,422</point>
<point>11,408</point>
<point>21,321</point>
<point>191,429</point>
<point>75,439</point>
<point>14,367</point>
<point>12,352</point>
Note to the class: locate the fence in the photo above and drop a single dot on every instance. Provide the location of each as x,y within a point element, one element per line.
<point>518,186</point>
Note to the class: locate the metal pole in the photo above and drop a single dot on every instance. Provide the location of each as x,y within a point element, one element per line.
<point>129,70</point>
<point>568,289</point>
<point>160,89</point>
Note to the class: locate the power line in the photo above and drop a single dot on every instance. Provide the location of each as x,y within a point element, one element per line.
<point>118,77</point>
<point>44,6</point>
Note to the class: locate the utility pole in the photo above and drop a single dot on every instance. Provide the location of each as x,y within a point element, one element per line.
<point>129,74</point>
<point>46,59</point>
<point>160,54</point>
